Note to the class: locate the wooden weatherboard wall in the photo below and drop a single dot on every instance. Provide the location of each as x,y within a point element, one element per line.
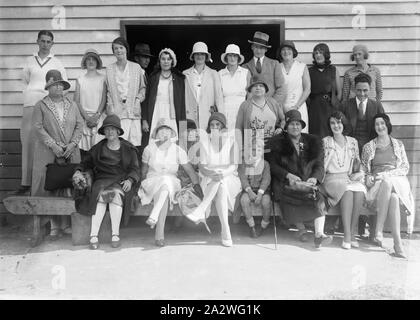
<point>391,32</point>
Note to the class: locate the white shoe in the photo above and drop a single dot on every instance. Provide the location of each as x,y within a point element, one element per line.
<point>346,245</point>
<point>227,243</point>
<point>354,244</point>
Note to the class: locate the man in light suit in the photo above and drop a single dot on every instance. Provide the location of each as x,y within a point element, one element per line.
<point>266,69</point>
<point>360,111</point>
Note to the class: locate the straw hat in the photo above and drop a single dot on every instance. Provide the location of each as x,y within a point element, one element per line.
<point>232,49</point>
<point>200,47</point>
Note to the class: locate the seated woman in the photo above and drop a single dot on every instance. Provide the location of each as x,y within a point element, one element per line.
<point>343,181</point>
<point>297,167</point>
<point>161,159</point>
<point>113,165</point>
<point>220,181</point>
<point>385,162</point>
<point>58,127</point>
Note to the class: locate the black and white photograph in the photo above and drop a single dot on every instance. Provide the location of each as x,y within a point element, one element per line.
<point>209,155</point>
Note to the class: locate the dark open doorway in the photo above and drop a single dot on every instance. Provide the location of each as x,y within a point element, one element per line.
<point>181,35</point>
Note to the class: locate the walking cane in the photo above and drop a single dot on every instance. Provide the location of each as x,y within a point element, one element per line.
<point>274,221</point>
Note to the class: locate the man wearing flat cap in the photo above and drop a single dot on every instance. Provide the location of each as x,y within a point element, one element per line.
<point>265,68</point>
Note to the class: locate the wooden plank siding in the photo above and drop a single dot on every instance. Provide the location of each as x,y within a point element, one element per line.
<point>392,35</point>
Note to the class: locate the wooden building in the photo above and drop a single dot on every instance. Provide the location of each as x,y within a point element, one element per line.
<point>390,29</point>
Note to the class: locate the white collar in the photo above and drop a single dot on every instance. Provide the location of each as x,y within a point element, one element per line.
<point>226,71</point>
<point>261,59</point>
<point>50,55</point>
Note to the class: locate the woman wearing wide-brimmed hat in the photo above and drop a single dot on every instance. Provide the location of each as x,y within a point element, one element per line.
<point>160,163</point>
<point>297,168</point>
<point>203,91</point>
<point>165,94</point>
<point>126,90</point>
<point>234,80</point>
<point>113,165</point>
<point>360,55</point>
<point>90,96</point>
<point>58,126</point>
<point>297,84</point>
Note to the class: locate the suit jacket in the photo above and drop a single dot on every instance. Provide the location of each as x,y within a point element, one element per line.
<point>349,108</point>
<point>271,74</point>
<point>211,95</point>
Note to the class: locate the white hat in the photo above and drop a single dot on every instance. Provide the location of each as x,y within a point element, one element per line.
<point>200,47</point>
<point>171,53</point>
<point>232,48</point>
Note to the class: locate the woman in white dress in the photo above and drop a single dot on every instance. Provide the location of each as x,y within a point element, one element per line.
<point>220,182</point>
<point>234,80</point>
<point>165,94</point>
<point>90,96</point>
<point>343,182</point>
<point>297,83</point>
<point>161,159</point>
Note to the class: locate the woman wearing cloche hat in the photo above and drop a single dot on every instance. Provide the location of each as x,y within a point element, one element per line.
<point>297,168</point>
<point>58,128</point>
<point>203,92</point>
<point>234,80</point>
<point>90,96</point>
<point>115,164</point>
<point>160,162</point>
<point>360,55</point>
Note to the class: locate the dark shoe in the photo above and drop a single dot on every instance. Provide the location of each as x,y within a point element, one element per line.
<point>22,191</point>
<point>253,232</point>
<point>116,243</point>
<point>260,231</point>
<point>160,243</point>
<point>330,231</point>
<point>93,245</point>
<point>304,236</point>
<point>324,240</point>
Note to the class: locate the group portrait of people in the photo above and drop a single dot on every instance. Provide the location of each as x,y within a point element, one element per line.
<point>252,136</point>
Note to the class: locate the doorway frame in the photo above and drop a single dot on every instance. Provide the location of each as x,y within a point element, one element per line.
<point>206,21</point>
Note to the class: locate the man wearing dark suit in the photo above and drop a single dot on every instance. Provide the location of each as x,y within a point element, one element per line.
<point>361,110</point>
<point>266,69</point>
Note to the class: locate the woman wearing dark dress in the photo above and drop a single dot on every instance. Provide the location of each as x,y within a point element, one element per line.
<point>325,90</point>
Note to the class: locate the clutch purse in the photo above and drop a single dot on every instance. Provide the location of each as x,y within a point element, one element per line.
<point>59,174</point>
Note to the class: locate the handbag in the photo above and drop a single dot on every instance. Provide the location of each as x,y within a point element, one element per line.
<point>59,174</point>
<point>301,190</point>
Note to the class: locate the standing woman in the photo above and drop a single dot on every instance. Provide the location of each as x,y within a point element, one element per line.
<point>234,80</point>
<point>126,90</point>
<point>90,96</point>
<point>343,182</point>
<point>297,84</point>
<point>220,182</point>
<point>360,55</point>
<point>386,165</point>
<point>165,94</point>
<point>58,125</point>
<point>203,92</point>
<point>325,91</point>
<point>36,67</point>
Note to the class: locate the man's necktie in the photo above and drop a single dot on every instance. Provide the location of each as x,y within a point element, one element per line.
<point>360,109</point>
<point>258,65</point>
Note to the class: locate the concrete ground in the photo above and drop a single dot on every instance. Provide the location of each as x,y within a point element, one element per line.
<point>194,265</point>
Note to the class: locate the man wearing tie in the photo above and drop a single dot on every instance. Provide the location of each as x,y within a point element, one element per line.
<point>360,111</point>
<point>266,69</point>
